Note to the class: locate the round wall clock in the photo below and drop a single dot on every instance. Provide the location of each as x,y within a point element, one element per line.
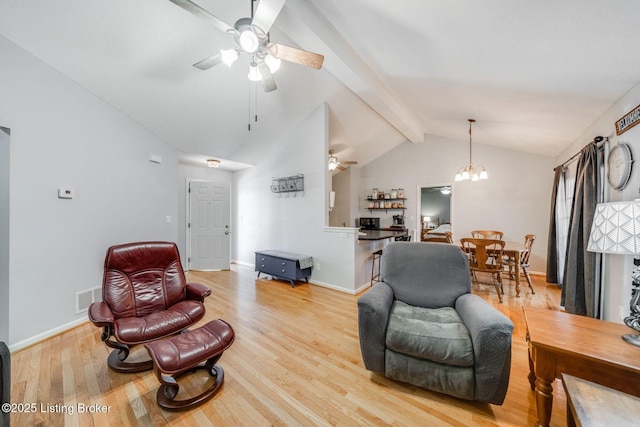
<point>619,166</point>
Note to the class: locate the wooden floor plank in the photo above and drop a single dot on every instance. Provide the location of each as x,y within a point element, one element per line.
<point>296,361</point>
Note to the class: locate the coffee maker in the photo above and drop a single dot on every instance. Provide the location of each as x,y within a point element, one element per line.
<point>398,221</point>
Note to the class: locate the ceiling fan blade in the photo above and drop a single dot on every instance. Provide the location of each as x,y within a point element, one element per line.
<point>209,62</point>
<point>299,56</point>
<point>266,13</point>
<point>193,8</point>
<point>349,162</point>
<point>341,168</point>
<point>268,82</point>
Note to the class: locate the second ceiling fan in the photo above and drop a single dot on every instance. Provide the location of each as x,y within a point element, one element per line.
<point>334,163</point>
<point>251,36</point>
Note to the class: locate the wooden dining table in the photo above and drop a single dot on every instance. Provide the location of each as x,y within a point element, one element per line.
<point>514,251</point>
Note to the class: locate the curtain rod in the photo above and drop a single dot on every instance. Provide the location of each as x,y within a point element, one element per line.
<point>598,140</point>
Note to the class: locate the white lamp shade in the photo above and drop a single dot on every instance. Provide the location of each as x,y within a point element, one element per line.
<point>272,62</point>
<point>229,56</point>
<point>249,41</point>
<point>254,74</point>
<point>616,228</point>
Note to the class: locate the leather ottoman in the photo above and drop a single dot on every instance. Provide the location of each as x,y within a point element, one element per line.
<point>185,353</point>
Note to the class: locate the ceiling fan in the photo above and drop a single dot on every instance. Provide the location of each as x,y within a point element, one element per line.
<point>251,36</point>
<point>335,164</point>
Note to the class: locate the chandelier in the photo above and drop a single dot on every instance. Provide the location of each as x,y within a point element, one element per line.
<point>470,172</point>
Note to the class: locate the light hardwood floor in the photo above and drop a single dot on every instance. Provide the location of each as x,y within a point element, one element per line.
<point>295,361</point>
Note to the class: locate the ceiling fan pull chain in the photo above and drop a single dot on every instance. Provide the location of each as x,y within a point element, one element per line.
<point>255,97</point>
<point>249,110</point>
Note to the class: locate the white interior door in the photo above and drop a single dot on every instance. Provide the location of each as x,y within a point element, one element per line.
<point>209,211</point>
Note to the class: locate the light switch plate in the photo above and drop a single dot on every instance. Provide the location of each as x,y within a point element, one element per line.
<point>65,193</point>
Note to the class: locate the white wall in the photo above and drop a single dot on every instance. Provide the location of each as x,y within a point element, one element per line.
<point>515,198</point>
<point>4,234</point>
<point>62,135</point>
<point>295,224</point>
<point>617,268</point>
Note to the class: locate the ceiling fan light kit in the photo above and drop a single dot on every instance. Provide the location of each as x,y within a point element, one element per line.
<point>469,171</point>
<point>251,36</point>
<point>334,164</point>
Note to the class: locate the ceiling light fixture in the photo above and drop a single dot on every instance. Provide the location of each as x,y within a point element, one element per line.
<point>333,163</point>
<point>254,74</point>
<point>272,62</point>
<point>228,56</point>
<point>213,163</point>
<point>249,41</point>
<point>470,172</point>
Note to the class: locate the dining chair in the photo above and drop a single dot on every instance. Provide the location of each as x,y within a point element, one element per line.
<point>485,257</point>
<point>487,234</point>
<point>524,261</point>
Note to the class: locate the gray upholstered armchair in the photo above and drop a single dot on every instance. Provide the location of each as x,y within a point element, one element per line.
<point>422,325</point>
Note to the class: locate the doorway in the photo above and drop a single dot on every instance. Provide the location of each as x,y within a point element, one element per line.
<point>434,207</point>
<point>4,233</point>
<point>208,231</point>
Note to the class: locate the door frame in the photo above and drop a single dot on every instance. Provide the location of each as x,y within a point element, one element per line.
<point>187,219</point>
<point>419,206</point>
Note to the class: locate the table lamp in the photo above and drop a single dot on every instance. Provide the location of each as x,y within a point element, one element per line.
<point>616,230</point>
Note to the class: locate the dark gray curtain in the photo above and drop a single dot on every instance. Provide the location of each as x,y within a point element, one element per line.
<point>581,290</point>
<point>552,247</point>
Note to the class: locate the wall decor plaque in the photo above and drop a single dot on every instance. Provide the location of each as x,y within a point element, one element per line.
<point>628,121</point>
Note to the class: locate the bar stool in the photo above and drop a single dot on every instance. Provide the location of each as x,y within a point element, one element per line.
<point>375,257</point>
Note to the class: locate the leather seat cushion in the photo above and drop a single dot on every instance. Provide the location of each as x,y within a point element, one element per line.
<point>135,330</point>
<point>184,351</point>
<point>435,334</point>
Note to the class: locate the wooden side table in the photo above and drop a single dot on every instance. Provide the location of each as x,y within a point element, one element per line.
<point>562,343</point>
<point>593,405</point>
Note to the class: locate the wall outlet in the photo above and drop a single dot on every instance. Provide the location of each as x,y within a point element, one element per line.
<point>316,266</point>
<point>621,312</point>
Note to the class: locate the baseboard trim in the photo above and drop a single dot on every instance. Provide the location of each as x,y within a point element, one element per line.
<point>333,287</point>
<point>21,345</point>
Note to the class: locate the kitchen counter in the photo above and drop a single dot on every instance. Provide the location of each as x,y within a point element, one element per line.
<point>379,234</point>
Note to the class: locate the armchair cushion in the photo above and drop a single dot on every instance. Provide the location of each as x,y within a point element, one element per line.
<point>423,274</point>
<point>435,334</point>
<point>135,330</point>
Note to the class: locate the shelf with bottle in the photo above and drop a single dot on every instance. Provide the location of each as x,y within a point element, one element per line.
<point>395,193</point>
<point>385,204</point>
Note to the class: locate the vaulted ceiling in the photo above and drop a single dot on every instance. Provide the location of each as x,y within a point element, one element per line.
<point>535,75</point>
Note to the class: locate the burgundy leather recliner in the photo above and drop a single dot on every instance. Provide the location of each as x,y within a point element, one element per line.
<point>145,297</point>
